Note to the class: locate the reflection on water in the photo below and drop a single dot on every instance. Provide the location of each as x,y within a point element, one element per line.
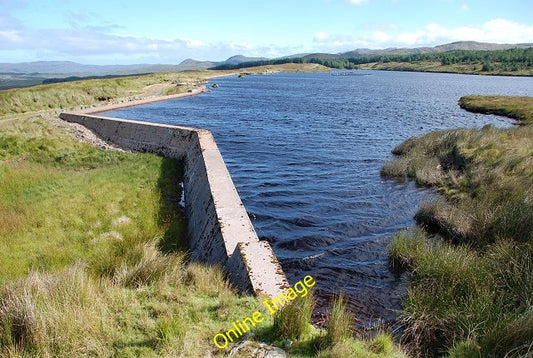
<point>305,151</point>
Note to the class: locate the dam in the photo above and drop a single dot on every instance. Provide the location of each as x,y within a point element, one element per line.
<point>220,231</point>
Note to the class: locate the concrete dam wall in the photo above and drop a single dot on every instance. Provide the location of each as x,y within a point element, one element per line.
<point>220,231</point>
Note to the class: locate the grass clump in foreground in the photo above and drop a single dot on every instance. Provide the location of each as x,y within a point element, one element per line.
<point>470,293</point>
<point>292,330</point>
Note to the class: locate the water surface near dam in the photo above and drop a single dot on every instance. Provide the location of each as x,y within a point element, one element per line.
<point>305,150</point>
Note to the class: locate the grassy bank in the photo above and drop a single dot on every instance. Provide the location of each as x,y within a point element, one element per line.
<point>519,108</point>
<point>471,287</point>
<point>93,258</point>
<point>100,91</point>
<point>438,67</point>
<point>90,92</point>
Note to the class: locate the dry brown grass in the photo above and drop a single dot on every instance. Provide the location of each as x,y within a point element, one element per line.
<point>484,176</point>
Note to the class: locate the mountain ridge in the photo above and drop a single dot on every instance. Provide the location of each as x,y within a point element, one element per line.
<point>74,68</point>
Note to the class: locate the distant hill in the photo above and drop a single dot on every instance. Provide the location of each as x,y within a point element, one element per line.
<point>190,64</point>
<point>31,73</point>
<point>78,69</point>
<point>65,67</point>
<point>458,57</point>
<point>460,45</point>
<point>322,56</point>
<point>478,46</point>
<point>235,60</point>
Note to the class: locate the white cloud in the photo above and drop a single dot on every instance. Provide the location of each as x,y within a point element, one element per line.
<point>322,36</point>
<point>92,44</point>
<point>464,8</point>
<point>381,36</point>
<point>195,44</point>
<point>10,36</point>
<point>101,44</point>
<point>356,2</point>
<point>497,30</point>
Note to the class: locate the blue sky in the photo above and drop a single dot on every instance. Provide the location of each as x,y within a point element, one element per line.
<point>156,31</point>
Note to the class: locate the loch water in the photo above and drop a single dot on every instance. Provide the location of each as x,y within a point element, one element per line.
<point>305,150</point>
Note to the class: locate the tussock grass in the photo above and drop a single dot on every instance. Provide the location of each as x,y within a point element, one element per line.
<point>485,176</point>
<point>52,314</point>
<point>471,286</point>
<point>150,267</point>
<point>71,312</point>
<point>294,320</point>
<point>382,345</point>
<point>340,322</point>
<point>292,330</point>
<point>456,294</point>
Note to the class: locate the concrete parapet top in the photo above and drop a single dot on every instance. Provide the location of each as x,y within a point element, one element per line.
<point>78,114</point>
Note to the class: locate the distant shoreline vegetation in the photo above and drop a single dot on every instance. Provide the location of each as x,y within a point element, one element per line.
<point>512,61</point>
<point>509,62</point>
<point>11,81</point>
<point>95,77</point>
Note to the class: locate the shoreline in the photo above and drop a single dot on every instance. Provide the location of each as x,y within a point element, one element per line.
<point>413,67</point>
<point>137,102</point>
<point>195,91</point>
<point>471,233</point>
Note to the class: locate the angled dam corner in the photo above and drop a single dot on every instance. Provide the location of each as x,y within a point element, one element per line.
<point>220,231</point>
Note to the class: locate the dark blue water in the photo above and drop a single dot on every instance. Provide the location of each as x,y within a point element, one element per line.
<point>305,150</point>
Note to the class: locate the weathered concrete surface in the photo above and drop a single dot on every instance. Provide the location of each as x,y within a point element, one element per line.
<point>220,231</point>
<point>247,264</point>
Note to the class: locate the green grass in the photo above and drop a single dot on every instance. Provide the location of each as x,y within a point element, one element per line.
<point>519,108</point>
<point>459,295</point>
<point>92,256</point>
<point>340,322</point>
<point>88,92</point>
<point>72,312</point>
<point>291,329</point>
<point>61,200</point>
<point>471,285</point>
<point>294,320</point>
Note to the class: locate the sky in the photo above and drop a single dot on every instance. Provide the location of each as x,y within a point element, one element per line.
<point>167,32</point>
